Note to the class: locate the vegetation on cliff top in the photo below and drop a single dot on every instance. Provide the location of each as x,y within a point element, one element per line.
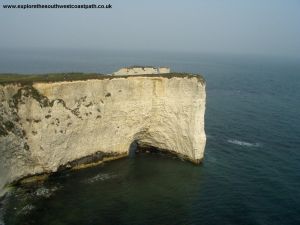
<point>56,77</point>
<point>53,77</point>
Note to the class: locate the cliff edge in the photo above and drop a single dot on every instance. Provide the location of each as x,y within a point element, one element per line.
<point>49,125</point>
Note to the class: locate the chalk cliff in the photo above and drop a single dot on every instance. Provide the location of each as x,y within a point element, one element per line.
<point>138,70</point>
<point>46,126</point>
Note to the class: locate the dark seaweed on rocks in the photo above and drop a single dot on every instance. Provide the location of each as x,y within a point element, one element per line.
<point>96,157</point>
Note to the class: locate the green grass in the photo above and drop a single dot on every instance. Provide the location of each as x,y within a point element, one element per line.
<point>30,78</point>
<point>56,77</point>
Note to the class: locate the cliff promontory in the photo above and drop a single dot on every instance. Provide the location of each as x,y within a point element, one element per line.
<point>47,125</point>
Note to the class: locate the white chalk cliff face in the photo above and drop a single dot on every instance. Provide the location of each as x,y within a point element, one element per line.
<point>44,126</point>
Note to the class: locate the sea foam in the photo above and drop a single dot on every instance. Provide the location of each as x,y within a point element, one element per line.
<point>100,177</point>
<point>243,143</point>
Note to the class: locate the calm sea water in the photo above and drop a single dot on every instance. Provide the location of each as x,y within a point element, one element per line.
<point>251,171</point>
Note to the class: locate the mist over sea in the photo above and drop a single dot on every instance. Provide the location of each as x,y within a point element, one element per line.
<point>251,170</point>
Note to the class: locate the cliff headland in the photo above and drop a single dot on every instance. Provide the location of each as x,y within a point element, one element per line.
<point>58,121</point>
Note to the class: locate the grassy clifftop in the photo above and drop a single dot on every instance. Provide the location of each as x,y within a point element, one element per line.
<point>29,78</point>
<point>57,77</point>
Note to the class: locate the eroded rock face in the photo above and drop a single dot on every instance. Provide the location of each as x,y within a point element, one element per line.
<point>138,70</point>
<point>44,126</point>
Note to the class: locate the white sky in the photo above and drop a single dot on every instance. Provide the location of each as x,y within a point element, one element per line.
<point>269,27</point>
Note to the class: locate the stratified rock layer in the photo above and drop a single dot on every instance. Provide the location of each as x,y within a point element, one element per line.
<point>44,126</point>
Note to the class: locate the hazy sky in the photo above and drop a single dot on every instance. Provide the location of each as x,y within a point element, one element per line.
<point>234,26</point>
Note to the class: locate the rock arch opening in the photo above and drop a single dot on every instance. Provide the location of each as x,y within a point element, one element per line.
<point>132,149</point>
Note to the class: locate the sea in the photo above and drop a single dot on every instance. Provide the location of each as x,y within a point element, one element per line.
<point>250,174</point>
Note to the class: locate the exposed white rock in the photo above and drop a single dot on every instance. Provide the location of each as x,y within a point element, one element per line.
<point>46,125</point>
<point>138,70</point>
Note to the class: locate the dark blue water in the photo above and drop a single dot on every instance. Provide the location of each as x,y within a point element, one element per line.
<point>251,171</point>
